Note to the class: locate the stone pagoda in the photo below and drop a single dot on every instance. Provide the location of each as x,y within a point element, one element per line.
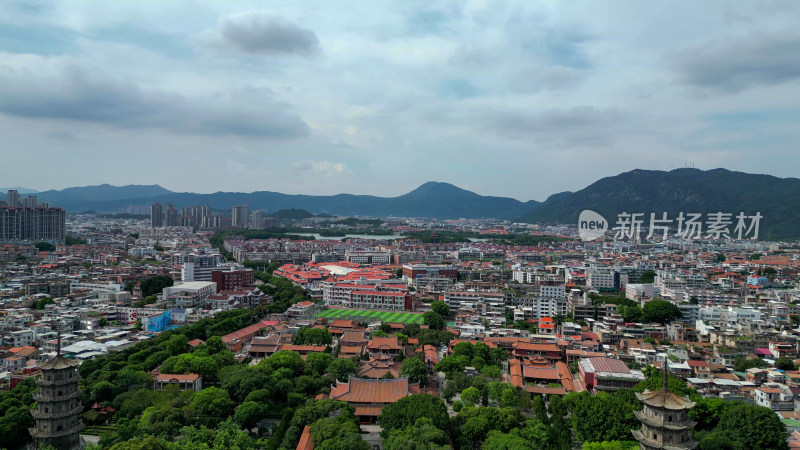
<point>58,404</point>
<point>665,420</point>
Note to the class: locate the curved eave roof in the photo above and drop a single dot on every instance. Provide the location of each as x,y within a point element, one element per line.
<point>59,362</point>
<point>665,399</point>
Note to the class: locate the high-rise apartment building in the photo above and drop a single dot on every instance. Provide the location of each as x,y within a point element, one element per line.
<point>156,216</point>
<point>171,216</point>
<point>240,216</point>
<point>255,220</point>
<point>40,223</point>
<point>12,198</point>
<point>30,201</point>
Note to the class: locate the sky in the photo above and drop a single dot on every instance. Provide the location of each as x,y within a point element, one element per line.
<point>521,99</point>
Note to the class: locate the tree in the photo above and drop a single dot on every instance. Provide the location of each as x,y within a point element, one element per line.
<point>309,414</point>
<point>603,416</point>
<point>752,427</point>
<point>471,395</point>
<point>14,426</point>
<point>177,344</point>
<point>648,276</point>
<point>45,247</point>
<point>631,314</point>
<point>211,405</point>
<point>338,433</point>
<point>661,311</point>
<point>441,308</point>
<point>654,380</point>
<point>539,409</point>
<point>407,410</point>
<point>214,345</point>
<point>423,435</point>
<point>450,390</point>
<point>436,338</point>
<point>721,257</point>
<point>707,412</point>
<point>741,364</point>
<point>492,372</point>
<point>341,368</point>
<point>433,320</point>
<point>313,336</point>
<point>784,364</point>
<point>248,414</point>
<point>415,369</point>
<point>42,303</point>
<point>475,429</point>
<point>464,349</point>
<point>503,441</point>
<point>103,391</point>
<point>153,285</point>
<point>317,363</point>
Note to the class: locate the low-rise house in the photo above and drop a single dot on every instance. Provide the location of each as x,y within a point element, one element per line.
<point>603,373</point>
<point>775,397</point>
<point>184,382</point>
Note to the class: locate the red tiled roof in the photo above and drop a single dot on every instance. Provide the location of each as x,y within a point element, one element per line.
<point>246,331</point>
<point>605,364</point>
<point>695,363</point>
<point>167,377</point>
<point>515,370</point>
<point>540,373</point>
<point>305,439</point>
<point>350,349</point>
<point>566,376</point>
<point>384,343</point>
<point>768,390</point>
<point>341,323</point>
<point>362,390</point>
<point>536,347</point>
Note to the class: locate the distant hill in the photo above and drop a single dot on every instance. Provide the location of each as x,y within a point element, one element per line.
<point>291,214</point>
<point>687,190</point>
<point>75,198</point>
<point>639,191</point>
<point>21,190</point>
<point>433,199</point>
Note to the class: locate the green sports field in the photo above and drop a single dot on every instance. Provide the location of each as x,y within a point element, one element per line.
<point>372,315</point>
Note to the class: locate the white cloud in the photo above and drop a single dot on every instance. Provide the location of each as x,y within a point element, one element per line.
<point>323,168</point>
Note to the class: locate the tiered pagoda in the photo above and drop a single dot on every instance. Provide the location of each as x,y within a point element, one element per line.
<point>58,404</point>
<point>665,420</point>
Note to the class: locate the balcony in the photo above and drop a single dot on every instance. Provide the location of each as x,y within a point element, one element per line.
<point>41,397</point>
<point>40,380</point>
<point>55,434</point>
<point>38,413</point>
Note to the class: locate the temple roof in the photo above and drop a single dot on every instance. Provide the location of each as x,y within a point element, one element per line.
<point>59,362</point>
<point>665,399</point>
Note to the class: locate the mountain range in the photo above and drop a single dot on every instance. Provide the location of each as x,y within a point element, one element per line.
<point>636,191</point>
<point>432,199</point>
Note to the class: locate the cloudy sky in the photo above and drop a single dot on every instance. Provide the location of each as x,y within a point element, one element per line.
<point>521,99</point>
